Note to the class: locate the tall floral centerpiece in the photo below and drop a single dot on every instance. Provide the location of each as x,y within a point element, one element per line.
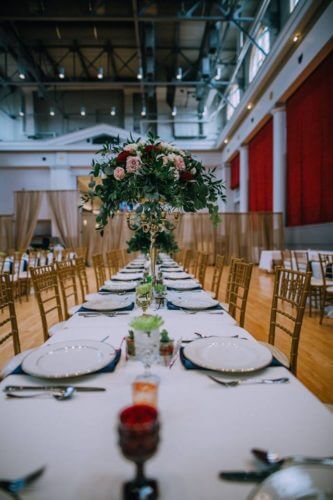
<point>155,178</point>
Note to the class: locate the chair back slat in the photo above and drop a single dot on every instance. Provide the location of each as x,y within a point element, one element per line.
<point>82,275</point>
<point>217,275</point>
<point>291,289</point>
<point>99,270</point>
<point>66,271</point>
<point>8,322</point>
<point>239,289</point>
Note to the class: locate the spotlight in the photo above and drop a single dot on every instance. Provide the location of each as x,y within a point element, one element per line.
<point>143,111</point>
<point>140,74</point>
<point>100,73</point>
<point>22,75</point>
<point>85,222</point>
<point>296,38</point>
<point>113,111</point>
<point>52,112</point>
<point>21,113</point>
<point>179,74</point>
<point>174,111</point>
<point>225,141</point>
<point>83,111</point>
<point>61,73</point>
<point>249,106</point>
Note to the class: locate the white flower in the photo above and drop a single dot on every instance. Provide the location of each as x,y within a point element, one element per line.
<point>131,147</point>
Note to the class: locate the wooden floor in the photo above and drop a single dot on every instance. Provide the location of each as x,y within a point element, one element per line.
<point>315,362</point>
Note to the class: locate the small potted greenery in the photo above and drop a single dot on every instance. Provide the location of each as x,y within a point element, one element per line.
<point>159,294</point>
<point>166,344</point>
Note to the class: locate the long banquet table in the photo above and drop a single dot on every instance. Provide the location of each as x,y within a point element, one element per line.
<point>205,428</point>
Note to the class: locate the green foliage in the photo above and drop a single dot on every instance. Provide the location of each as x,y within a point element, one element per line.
<point>147,323</point>
<point>140,242</point>
<point>152,176</point>
<point>165,336</point>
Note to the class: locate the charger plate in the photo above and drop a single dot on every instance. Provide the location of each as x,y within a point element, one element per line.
<point>228,355</point>
<point>72,358</point>
<point>108,303</point>
<point>195,302</point>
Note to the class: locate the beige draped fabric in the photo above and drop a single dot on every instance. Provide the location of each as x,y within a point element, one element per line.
<point>6,233</point>
<point>116,233</point>
<point>27,208</point>
<point>238,234</point>
<point>64,207</point>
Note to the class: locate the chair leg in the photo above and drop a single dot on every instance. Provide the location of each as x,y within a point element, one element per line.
<point>310,299</point>
<point>322,305</point>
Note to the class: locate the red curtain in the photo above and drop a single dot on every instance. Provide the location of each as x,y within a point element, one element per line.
<point>261,170</point>
<point>234,165</point>
<point>310,149</point>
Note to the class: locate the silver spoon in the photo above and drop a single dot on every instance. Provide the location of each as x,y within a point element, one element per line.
<point>62,395</point>
<point>272,458</point>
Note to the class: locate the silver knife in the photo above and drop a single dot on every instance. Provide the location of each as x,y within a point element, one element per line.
<point>79,388</point>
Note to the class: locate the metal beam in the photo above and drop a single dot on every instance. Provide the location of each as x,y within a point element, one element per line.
<point>118,19</point>
<point>110,84</point>
<point>77,50</point>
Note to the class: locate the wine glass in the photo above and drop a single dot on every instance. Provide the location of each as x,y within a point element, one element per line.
<point>138,432</point>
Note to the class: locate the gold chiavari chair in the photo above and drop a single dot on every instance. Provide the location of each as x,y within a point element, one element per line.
<point>217,275</point>
<point>287,259</point>
<point>8,321</point>
<point>81,252</point>
<point>239,290</point>
<point>57,255</point>
<point>82,275</point>
<point>99,270</point>
<point>112,262</point>
<point>66,254</point>
<point>66,271</point>
<point>301,260</point>
<point>233,260</point>
<point>45,283</point>
<point>202,267</point>
<point>120,256</point>
<point>18,276</point>
<point>326,266</point>
<point>289,298</point>
<point>188,259</point>
<point>195,263</point>
<point>179,256</point>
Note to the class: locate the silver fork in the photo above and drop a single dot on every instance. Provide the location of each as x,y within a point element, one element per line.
<point>234,383</point>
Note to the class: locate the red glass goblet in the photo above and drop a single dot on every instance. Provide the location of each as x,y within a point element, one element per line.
<point>138,439</point>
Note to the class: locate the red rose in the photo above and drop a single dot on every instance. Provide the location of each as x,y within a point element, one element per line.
<point>121,158</point>
<point>150,149</point>
<point>186,176</point>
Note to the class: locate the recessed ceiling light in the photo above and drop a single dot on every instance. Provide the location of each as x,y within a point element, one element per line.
<point>83,111</point>
<point>140,74</point>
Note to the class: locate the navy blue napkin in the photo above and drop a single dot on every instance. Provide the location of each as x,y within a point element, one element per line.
<point>107,369</point>
<point>130,307</point>
<point>173,307</point>
<point>106,290</point>
<point>192,366</point>
<point>184,289</point>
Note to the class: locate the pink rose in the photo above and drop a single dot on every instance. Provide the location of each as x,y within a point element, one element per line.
<point>119,173</point>
<point>179,162</point>
<point>133,164</point>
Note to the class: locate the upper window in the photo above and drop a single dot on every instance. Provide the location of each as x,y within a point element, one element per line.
<point>258,56</point>
<point>292,4</point>
<point>233,100</point>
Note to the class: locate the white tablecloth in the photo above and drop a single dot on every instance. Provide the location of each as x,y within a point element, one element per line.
<point>205,428</point>
<point>267,257</point>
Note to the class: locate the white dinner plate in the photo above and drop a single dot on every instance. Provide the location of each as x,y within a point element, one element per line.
<point>177,276</point>
<point>120,286</point>
<point>198,302</point>
<point>228,355</point>
<point>108,303</point>
<point>128,277</point>
<point>68,359</point>
<point>173,269</point>
<point>298,481</point>
<point>181,284</point>
<point>130,271</point>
